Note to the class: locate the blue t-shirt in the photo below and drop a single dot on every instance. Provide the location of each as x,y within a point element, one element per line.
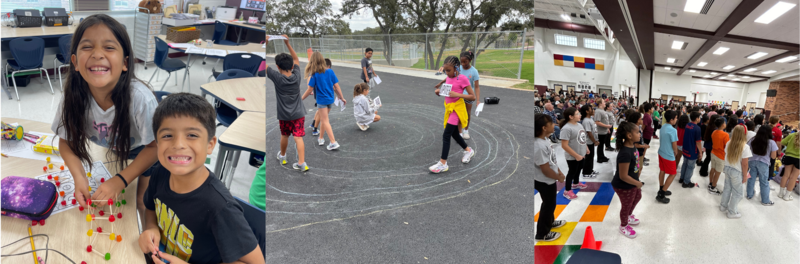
<point>668,135</point>
<point>691,135</point>
<point>472,75</point>
<point>323,86</point>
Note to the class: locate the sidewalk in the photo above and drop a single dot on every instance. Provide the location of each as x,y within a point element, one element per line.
<point>429,74</point>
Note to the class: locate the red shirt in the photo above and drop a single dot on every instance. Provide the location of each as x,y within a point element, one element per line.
<point>680,136</point>
<point>777,135</point>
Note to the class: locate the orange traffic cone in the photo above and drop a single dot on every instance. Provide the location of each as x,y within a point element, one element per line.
<point>588,240</point>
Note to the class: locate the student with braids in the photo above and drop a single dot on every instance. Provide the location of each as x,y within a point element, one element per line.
<point>106,104</point>
<point>626,178</point>
<point>471,73</point>
<point>364,113</point>
<point>573,141</point>
<point>455,113</point>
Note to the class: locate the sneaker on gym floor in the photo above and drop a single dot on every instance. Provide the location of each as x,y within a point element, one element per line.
<point>688,185</point>
<point>579,186</point>
<point>468,155</point>
<point>302,168</point>
<point>661,198</point>
<point>333,145</point>
<point>788,196</point>
<point>465,135</point>
<point>570,195</point>
<point>559,223</point>
<point>362,127</point>
<point>550,236</point>
<point>714,190</point>
<point>627,231</point>
<point>632,220</point>
<point>438,167</point>
<point>321,141</point>
<point>770,203</point>
<point>734,216</point>
<point>282,159</point>
<point>680,181</point>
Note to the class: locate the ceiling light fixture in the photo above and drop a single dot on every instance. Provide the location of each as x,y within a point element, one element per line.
<point>671,60</point>
<point>746,77</point>
<point>667,68</point>
<point>694,6</point>
<point>768,72</point>
<point>756,55</point>
<point>721,50</point>
<point>736,79</point>
<point>790,58</point>
<point>702,63</point>
<point>774,12</point>
<point>692,71</point>
<point>706,76</point>
<point>713,73</point>
<point>565,17</point>
<point>677,44</point>
<point>728,67</point>
<point>751,70</point>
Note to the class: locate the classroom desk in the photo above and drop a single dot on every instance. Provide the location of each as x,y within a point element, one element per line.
<point>67,230</point>
<point>247,133</point>
<point>243,26</point>
<point>253,90</point>
<point>250,47</point>
<point>10,32</point>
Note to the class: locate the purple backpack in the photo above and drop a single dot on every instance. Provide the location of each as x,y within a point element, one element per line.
<point>27,198</point>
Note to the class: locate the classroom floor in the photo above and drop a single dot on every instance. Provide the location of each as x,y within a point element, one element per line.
<point>374,200</point>
<point>690,229</point>
<point>39,105</point>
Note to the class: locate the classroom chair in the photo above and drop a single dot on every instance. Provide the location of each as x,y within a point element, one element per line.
<point>160,95</point>
<point>257,219</point>
<point>169,65</point>
<point>63,56</point>
<point>28,53</point>
<point>242,61</point>
<point>225,114</point>
<point>219,34</point>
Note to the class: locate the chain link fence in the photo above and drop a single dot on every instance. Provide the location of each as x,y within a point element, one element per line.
<point>497,53</point>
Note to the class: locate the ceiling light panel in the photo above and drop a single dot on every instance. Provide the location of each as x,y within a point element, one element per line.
<point>721,50</point>
<point>787,59</point>
<point>768,72</point>
<point>751,70</point>
<point>671,60</point>
<point>728,67</point>
<point>774,12</point>
<point>702,63</point>
<point>756,55</point>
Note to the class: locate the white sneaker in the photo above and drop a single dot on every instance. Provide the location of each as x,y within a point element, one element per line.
<point>438,167</point>
<point>282,159</point>
<point>788,196</point>
<point>333,145</point>
<point>468,155</point>
<point>627,231</point>
<point>734,216</point>
<point>781,192</point>
<point>321,141</point>
<point>632,220</point>
<point>362,127</point>
<point>299,167</point>
<point>723,208</point>
<point>465,135</point>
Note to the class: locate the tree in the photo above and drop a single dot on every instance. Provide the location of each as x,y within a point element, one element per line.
<point>310,17</point>
<point>386,12</point>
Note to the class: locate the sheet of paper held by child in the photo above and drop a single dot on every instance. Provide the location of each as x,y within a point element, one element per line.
<point>275,37</point>
<point>445,90</point>
<point>377,80</point>
<point>338,102</point>
<point>479,109</point>
<point>377,102</point>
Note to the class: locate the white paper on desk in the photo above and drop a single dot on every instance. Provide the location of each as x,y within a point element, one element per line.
<point>216,52</point>
<point>261,54</point>
<point>445,90</point>
<point>67,185</point>
<point>195,50</point>
<point>338,102</point>
<point>24,149</point>
<point>275,37</point>
<point>207,21</point>
<point>377,80</point>
<point>479,109</point>
<point>181,45</point>
<point>236,51</point>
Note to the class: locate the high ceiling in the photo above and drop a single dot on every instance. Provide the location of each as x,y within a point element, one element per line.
<point>727,23</point>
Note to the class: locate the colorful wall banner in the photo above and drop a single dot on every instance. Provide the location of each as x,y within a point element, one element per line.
<point>578,62</point>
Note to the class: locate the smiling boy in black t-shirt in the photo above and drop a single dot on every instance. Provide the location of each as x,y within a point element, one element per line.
<point>191,216</point>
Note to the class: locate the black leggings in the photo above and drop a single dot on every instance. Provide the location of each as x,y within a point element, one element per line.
<point>573,175</point>
<point>601,155</point>
<point>547,192</point>
<point>451,131</point>
<point>706,161</point>
<point>588,160</point>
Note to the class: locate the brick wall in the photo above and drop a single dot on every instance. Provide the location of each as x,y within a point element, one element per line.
<point>786,103</point>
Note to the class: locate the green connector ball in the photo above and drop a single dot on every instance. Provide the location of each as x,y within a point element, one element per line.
<point>123,190</point>
<point>124,202</point>
<point>108,256</point>
<point>119,204</point>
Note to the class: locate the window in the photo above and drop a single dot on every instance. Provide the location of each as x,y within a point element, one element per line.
<point>591,43</point>
<point>566,40</point>
<point>123,5</point>
<point>10,5</point>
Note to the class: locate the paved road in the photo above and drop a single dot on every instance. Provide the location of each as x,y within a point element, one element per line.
<point>373,200</point>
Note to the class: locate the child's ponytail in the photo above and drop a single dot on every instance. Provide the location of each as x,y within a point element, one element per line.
<point>567,116</point>
<point>625,128</point>
<point>359,89</point>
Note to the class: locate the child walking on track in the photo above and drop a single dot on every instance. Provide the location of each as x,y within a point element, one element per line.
<point>738,153</point>
<point>455,113</point>
<point>291,112</point>
<point>719,140</point>
<point>764,149</point>
<point>545,175</point>
<point>471,73</point>
<point>326,86</point>
<point>626,179</point>
<point>588,123</point>
<point>573,141</point>
<point>791,165</point>
<point>667,151</point>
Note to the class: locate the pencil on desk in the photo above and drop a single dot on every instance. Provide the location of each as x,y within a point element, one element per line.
<point>33,248</point>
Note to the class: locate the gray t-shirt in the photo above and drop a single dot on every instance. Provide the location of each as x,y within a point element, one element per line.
<point>601,116</point>
<point>577,139</point>
<point>287,92</point>
<point>543,153</point>
<point>143,105</point>
<point>368,64</point>
<point>590,126</point>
